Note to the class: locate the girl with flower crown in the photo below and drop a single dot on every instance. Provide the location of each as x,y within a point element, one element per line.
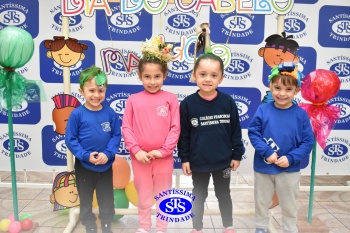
<point>151,128</point>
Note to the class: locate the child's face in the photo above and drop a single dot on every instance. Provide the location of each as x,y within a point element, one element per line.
<point>208,76</point>
<point>94,95</point>
<point>152,77</point>
<point>283,95</point>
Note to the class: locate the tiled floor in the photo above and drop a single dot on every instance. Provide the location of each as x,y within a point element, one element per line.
<point>331,209</point>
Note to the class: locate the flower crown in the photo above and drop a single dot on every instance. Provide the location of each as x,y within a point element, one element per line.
<point>289,69</point>
<point>156,49</point>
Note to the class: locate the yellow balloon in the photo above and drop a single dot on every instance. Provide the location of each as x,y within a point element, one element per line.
<point>4,225</point>
<point>131,194</point>
<point>94,201</point>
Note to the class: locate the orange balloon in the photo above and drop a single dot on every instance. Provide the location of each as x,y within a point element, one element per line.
<point>121,173</point>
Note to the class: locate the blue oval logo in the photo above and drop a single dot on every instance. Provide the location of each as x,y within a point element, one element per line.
<point>119,65</point>
<point>335,150</point>
<point>341,27</point>
<point>342,69</point>
<point>293,25</point>
<point>238,23</point>
<point>20,145</point>
<point>118,105</point>
<point>241,107</point>
<point>181,67</point>
<point>122,148</point>
<point>12,17</point>
<point>181,21</point>
<point>237,66</point>
<point>73,20</point>
<point>175,206</point>
<point>344,109</point>
<point>124,21</point>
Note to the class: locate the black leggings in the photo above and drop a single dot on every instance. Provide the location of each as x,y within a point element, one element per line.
<point>200,182</point>
<point>87,181</point>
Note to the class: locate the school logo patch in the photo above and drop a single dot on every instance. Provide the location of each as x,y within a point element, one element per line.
<point>194,122</point>
<point>162,111</point>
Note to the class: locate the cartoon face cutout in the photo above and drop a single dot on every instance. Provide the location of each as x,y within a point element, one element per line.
<point>65,56</point>
<point>65,52</point>
<point>64,191</point>
<point>279,49</point>
<point>64,105</point>
<point>67,196</point>
<point>273,57</point>
<point>60,118</point>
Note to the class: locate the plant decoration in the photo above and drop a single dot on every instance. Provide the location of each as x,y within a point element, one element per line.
<point>156,49</point>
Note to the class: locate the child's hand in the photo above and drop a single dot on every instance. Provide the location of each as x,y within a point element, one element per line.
<point>272,158</point>
<point>186,169</point>
<point>235,164</point>
<point>93,157</point>
<point>142,156</point>
<point>101,159</point>
<point>282,161</point>
<point>155,154</point>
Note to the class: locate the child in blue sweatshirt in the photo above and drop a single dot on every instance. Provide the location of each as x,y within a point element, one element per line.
<point>281,134</point>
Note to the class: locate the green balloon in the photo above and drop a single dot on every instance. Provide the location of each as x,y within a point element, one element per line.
<point>120,201</point>
<point>16,47</point>
<point>24,216</point>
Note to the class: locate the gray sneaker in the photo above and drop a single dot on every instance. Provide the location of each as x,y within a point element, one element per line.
<point>260,230</point>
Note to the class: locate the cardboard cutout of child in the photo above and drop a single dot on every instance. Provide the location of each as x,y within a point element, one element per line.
<point>64,191</point>
<point>65,52</point>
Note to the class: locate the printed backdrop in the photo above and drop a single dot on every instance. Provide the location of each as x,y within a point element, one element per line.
<point>321,27</point>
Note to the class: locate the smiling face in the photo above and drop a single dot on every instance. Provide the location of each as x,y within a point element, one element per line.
<point>283,92</point>
<point>208,75</point>
<point>94,95</point>
<point>65,56</point>
<point>273,57</point>
<point>152,77</point>
<point>67,196</point>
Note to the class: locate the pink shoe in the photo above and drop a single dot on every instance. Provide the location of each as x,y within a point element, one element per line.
<point>229,230</point>
<point>141,230</point>
<point>195,231</point>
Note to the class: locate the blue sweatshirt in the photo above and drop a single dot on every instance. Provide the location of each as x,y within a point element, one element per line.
<point>88,131</point>
<point>210,132</point>
<point>285,131</point>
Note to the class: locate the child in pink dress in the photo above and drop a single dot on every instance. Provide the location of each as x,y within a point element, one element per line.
<point>151,128</point>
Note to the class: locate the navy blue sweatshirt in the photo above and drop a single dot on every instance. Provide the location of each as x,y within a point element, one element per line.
<point>210,132</point>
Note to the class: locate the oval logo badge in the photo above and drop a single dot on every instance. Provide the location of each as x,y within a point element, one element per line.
<point>335,150</point>
<point>20,145</point>
<point>175,206</point>
<point>181,21</point>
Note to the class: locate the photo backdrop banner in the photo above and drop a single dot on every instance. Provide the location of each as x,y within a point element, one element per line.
<point>113,35</point>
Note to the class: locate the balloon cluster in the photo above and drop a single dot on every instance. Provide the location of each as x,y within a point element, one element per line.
<point>10,225</point>
<point>318,87</point>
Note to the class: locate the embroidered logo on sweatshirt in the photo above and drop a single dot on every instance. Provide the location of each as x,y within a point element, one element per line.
<point>226,173</point>
<point>106,127</point>
<point>162,111</point>
<point>194,122</point>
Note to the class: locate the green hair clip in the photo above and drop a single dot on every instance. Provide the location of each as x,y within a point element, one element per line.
<point>97,73</point>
